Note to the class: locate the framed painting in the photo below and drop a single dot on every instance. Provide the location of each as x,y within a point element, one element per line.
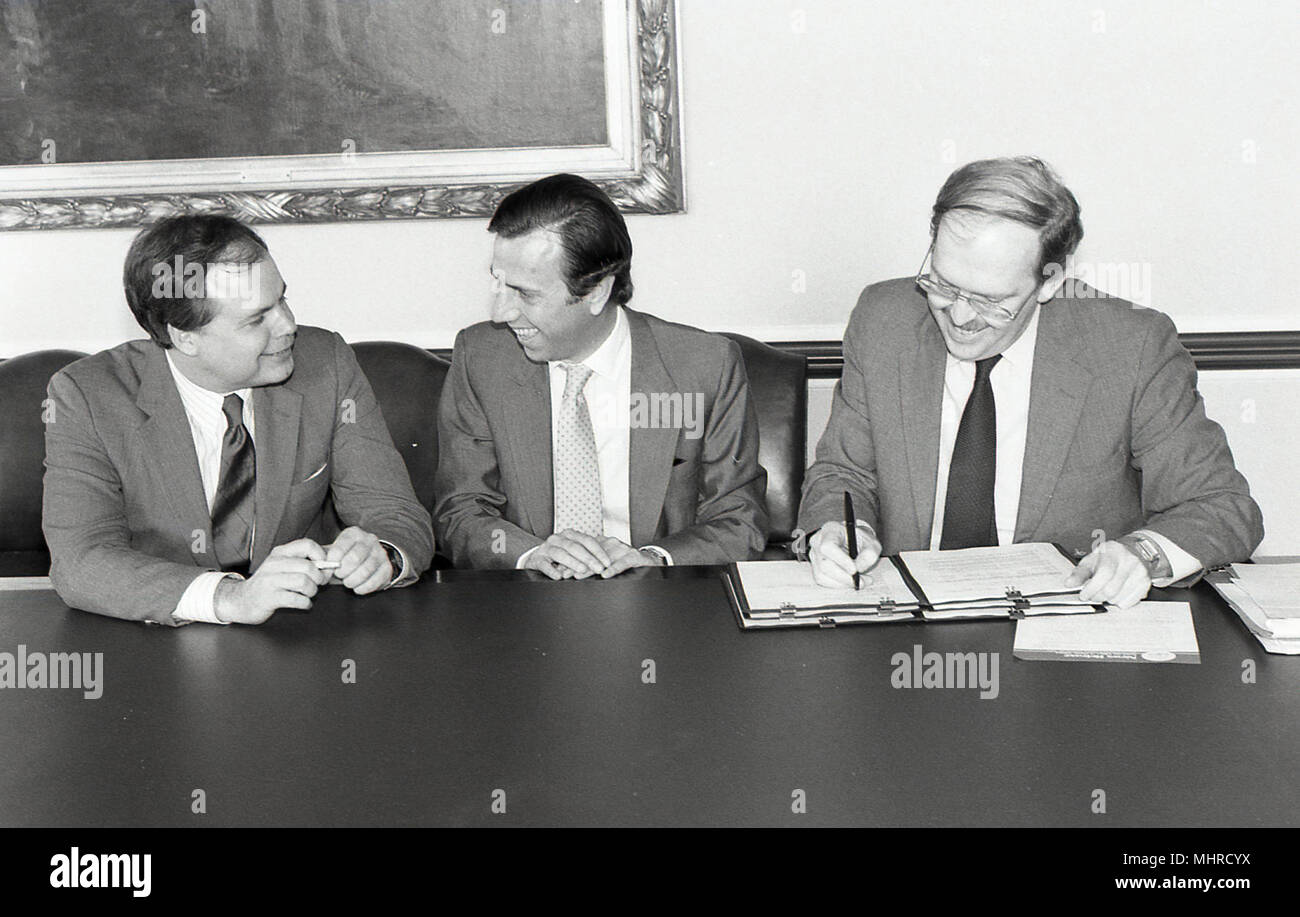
<point>122,113</point>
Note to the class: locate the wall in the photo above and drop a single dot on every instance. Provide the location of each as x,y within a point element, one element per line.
<point>816,135</point>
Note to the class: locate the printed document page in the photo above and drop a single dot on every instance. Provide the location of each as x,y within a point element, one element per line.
<point>769,584</point>
<point>971,574</point>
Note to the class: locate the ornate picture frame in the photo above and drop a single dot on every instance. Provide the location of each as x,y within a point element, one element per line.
<point>640,166</point>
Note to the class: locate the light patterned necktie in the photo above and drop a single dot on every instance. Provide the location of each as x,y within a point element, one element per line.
<point>576,472</point>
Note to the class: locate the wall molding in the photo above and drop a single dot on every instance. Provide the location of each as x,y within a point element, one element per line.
<point>1209,349</point>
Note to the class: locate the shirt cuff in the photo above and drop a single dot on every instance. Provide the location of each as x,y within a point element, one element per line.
<point>523,558</point>
<point>857,524</point>
<point>655,549</point>
<point>198,601</point>
<point>1181,564</point>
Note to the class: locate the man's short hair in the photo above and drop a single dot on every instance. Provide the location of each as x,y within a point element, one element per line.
<point>1019,188</point>
<point>201,240</point>
<point>592,232</point>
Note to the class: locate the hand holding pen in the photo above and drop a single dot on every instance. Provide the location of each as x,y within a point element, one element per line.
<point>835,560</point>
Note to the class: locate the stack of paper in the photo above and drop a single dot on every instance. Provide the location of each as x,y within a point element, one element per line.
<point>1267,599</point>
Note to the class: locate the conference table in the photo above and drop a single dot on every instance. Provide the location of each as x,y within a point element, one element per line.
<point>502,698</point>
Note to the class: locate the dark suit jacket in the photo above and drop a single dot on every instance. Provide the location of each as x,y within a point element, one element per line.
<point>125,516</point>
<point>1117,440</point>
<point>701,499</point>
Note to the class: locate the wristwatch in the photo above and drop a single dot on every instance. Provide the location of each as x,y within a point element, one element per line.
<point>657,553</point>
<point>394,561</point>
<point>1148,552</point>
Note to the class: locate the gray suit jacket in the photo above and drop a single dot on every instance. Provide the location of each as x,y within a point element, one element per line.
<point>701,498</point>
<point>1117,440</point>
<point>124,512</point>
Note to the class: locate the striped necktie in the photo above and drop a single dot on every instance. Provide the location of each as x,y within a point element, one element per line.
<point>232,508</point>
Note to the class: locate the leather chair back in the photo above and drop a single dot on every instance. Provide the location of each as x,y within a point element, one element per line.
<point>23,380</point>
<point>408,383</point>
<point>779,383</point>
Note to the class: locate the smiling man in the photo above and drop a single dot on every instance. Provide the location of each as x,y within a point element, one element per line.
<point>202,475</point>
<point>981,406</point>
<point>577,437</point>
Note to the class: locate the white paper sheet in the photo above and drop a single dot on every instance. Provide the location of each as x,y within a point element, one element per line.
<point>1274,587</point>
<point>986,573</point>
<point>24,583</point>
<point>1147,632</point>
<point>769,584</point>
<point>1278,635</point>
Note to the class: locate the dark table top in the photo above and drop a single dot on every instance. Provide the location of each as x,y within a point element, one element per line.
<point>471,683</point>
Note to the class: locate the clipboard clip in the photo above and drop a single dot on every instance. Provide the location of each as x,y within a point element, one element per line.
<point>1019,604</point>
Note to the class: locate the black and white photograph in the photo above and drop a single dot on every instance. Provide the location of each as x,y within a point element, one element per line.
<point>869,414</point>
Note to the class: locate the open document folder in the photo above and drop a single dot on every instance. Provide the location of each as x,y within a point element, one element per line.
<point>1267,599</point>
<point>999,582</point>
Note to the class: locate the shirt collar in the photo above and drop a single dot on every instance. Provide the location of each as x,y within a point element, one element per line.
<point>193,393</point>
<point>607,358</point>
<point>1021,352</point>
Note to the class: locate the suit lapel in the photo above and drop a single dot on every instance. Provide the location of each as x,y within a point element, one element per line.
<point>167,446</point>
<point>921,374</point>
<point>651,447</point>
<point>277,415</point>
<point>528,429</point>
<point>1058,386</point>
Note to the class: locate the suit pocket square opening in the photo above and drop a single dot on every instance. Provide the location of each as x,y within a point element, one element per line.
<point>315,473</point>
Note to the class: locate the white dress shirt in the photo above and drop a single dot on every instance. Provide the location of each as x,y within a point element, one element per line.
<point>208,428</point>
<point>609,402</point>
<point>203,408</point>
<point>1010,379</point>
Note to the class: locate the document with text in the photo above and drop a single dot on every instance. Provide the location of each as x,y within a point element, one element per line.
<point>772,589</point>
<point>997,582</point>
<point>1147,632</point>
<point>1034,573</point>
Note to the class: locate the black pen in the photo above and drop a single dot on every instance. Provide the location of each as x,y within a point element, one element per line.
<point>851,529</point>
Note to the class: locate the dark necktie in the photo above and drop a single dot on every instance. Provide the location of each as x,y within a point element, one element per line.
<point>968,517</point>
<point>232,509</point>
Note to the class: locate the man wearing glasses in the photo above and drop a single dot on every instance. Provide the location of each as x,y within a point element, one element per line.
<point>982,405</point>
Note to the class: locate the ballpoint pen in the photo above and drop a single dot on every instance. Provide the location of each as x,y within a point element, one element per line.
<point>851,529</point>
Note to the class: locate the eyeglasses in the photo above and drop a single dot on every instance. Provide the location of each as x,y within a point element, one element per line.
<point>945,297</point>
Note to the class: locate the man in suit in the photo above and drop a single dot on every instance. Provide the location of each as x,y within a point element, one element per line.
<point>578,437</point>
<point>202,475</point>
<point>982,404</point>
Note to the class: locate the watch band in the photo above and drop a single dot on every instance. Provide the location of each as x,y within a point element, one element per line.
<point>657,552</point>
<point>394,561</point>
<point>1148,552</point>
